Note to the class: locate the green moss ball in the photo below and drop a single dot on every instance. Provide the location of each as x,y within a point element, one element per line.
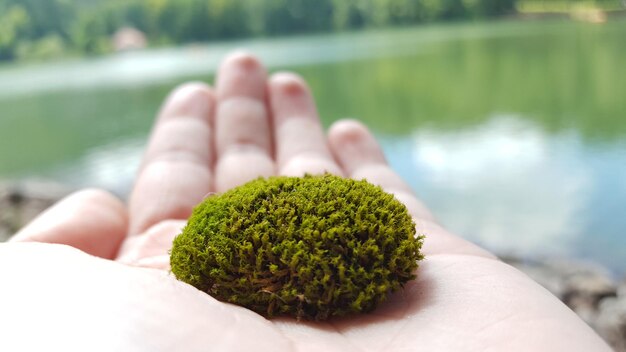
<point>310,247</point>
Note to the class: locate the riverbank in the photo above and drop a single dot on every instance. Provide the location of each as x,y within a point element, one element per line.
<point>587,288</point>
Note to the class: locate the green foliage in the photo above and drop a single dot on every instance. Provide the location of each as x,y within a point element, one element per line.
<point>311,247</point>
<point>86,26</point>
<point>51,46</point>
<point>13,21</point>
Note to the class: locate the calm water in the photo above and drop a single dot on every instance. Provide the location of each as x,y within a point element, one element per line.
<point>513,133</point>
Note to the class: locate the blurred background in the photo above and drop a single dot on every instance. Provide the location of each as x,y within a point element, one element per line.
<point>507,117</point>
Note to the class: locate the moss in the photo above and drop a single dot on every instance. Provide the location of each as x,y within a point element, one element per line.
<point>311,247</point>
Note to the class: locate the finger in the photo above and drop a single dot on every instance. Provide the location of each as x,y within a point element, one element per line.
<point>301,145</point>
<point>175,173</point>
<point>92,220</point>
<point>361,157</point>
<point>243,138</point>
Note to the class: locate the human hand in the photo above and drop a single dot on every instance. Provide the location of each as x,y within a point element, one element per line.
<point>121,296</point>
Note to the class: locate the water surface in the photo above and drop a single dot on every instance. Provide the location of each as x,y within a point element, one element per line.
<point>512,132</point>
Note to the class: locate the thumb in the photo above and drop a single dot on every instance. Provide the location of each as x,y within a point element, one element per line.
<point>91,220</point>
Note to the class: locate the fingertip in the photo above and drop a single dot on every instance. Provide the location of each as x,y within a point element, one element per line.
<point>290,99</point>
<point>241,74</point>
<point>288,83</point>
<point>241,59</point>
<point>192,90</point>
<point>353,145</point>
<point>347,131</point>
<point>191,99</point>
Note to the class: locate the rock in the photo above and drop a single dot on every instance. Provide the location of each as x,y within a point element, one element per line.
<point>621,289</point>
<point>611,322</point>
<point>568,279</point>
<point>584,292</point>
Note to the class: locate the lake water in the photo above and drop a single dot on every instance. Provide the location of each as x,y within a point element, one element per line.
<point>514,133</point>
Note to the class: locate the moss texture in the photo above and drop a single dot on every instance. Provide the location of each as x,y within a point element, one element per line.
<point>311,247</point>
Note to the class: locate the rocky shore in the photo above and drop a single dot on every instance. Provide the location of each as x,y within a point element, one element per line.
<point>588,289</point>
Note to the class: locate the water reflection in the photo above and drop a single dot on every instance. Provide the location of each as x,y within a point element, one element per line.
<point>507,184</point>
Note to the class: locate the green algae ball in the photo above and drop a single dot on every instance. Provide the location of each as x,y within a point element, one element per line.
<point>310,247</point>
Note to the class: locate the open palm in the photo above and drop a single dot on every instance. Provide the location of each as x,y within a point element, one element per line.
<point>121,296</point>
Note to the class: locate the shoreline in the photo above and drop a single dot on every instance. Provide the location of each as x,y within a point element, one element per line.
<point>587,288</point>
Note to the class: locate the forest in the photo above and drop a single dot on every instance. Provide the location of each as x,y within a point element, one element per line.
<point>43,29</point>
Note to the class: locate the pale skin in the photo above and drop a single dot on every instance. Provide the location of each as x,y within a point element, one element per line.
<point>91,273</point>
